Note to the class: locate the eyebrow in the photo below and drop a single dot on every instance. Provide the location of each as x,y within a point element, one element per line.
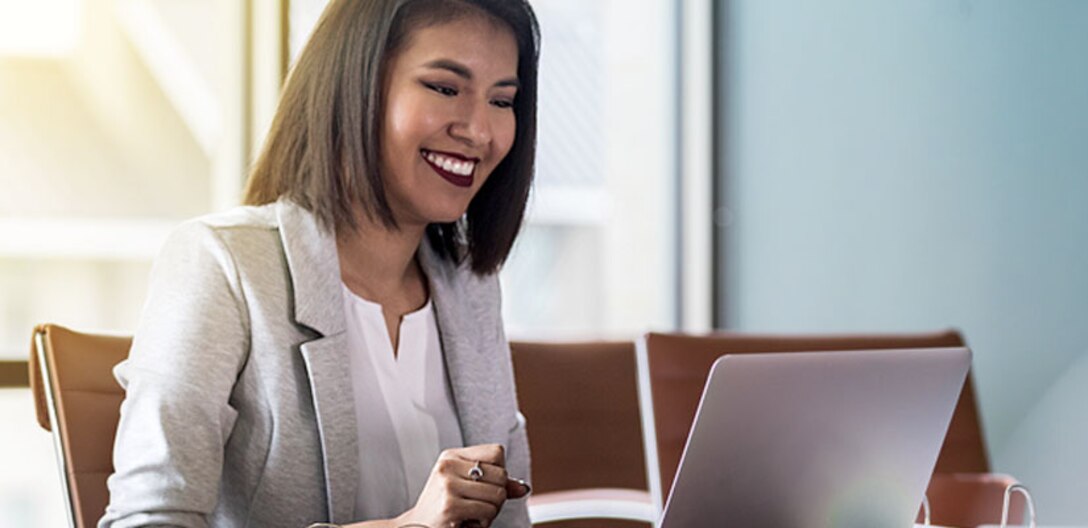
<point>462,71</point>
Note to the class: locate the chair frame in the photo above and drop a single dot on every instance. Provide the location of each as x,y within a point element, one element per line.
<point>649,423</point>
<point>591,503</point>
<point>45,371</point>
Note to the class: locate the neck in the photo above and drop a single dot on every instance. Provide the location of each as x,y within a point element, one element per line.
<point>378,262</point>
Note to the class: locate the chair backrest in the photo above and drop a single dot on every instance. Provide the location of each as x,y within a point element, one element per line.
<point>581,404</point>
<point>78,399</point>
<point>674,368</point>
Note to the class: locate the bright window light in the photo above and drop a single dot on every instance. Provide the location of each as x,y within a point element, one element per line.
<point>39,28</point>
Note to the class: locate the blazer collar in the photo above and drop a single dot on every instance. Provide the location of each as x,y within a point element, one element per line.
<point>314,269</point>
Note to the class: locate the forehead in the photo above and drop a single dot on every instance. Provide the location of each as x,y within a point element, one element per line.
<point>485,45</point>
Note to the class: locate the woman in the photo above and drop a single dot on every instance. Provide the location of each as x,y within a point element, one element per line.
<point>334,351</point>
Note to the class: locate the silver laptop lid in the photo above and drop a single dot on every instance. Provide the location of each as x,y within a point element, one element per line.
<point>816,439</point>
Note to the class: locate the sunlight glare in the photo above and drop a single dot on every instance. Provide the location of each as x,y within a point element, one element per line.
<point>39,28</point>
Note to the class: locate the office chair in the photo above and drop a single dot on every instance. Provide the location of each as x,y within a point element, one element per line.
<point>673,369</point>
<point>77,398</point>
<point>580,401</point>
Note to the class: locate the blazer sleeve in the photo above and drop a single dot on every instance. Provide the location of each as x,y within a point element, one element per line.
<point>191,342</point>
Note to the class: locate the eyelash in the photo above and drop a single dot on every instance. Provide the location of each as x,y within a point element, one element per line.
<point>444,90</point>
<point>452,92</point>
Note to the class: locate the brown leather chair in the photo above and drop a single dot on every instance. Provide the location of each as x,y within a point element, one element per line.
<point>77,398</point>
<point>580,401</point>
<point>676,367</point>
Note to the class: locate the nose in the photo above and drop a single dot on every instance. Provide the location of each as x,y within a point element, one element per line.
<point>473,125</point>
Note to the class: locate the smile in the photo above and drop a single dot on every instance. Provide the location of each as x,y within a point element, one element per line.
<point>453,168</point>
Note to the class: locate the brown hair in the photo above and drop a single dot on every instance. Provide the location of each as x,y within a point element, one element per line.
<point>322,151</point>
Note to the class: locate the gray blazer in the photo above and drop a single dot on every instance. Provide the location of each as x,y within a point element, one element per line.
<point>238,408</point>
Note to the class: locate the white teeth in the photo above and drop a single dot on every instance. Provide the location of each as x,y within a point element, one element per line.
<point>463,168</point>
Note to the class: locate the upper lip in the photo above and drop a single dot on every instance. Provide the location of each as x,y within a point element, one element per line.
<point>453,155</point>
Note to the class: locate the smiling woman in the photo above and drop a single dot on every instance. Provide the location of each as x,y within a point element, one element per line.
<point>334,351</point>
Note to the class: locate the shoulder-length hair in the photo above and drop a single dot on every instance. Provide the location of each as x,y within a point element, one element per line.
<point>322,151</point>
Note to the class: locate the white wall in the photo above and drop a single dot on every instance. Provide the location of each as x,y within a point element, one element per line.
<point>917,164</point>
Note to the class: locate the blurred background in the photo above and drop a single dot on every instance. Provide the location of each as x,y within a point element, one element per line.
<point>757,165</point>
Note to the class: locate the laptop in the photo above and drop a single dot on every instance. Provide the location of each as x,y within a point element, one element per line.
<point>816,439</point>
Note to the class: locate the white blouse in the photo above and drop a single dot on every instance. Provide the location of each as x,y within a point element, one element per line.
<point>403,405</point>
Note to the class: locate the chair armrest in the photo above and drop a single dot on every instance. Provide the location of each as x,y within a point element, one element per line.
<point>591,503</point>
<point>971,499</point>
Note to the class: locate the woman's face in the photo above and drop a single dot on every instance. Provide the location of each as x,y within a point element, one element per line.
<point>449,117</point>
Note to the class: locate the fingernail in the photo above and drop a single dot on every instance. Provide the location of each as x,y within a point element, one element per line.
<point>528,488</point>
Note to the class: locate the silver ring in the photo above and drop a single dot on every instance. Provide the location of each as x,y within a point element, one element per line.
<point>476,473</point>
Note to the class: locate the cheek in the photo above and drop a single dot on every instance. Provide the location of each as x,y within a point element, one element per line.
<point>407,124</point>
<point>398,127</point>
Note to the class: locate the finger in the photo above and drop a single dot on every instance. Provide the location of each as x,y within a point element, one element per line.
<point>474,510</point>
<point>459,469</point>
<point>493,454</point>
<point>492,474</point>
<point>517,488</point>
<point>480,491</point>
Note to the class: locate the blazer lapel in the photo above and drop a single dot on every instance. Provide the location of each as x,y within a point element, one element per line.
<point>315,276</point>
<point>330,383</point>
<point>474,390</point>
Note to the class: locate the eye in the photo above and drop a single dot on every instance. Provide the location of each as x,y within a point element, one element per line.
<point>503,103</point>
<point>442,89</point>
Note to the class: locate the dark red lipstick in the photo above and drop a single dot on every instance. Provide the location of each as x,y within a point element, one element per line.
<point>434,160</point>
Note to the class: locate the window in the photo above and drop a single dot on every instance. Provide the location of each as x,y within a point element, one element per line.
<point>597,255</point>
<point>118,119</point>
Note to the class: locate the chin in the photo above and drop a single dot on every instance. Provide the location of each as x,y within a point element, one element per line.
<point>446,217</point>
<point>435,211</point>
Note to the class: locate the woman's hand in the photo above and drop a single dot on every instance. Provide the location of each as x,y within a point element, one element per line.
<point>455,495</point>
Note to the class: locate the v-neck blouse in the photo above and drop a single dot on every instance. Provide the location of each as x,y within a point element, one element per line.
<point>403,405</point>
